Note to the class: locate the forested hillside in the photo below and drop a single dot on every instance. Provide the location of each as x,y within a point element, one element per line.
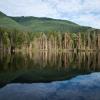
<point>28,33</point>
<point>35,24</point>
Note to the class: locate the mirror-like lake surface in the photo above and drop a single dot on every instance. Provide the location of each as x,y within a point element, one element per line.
<point>46,66</point>
<point>53,75</point>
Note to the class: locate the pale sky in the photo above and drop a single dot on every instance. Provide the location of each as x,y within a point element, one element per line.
<point>83,12</point>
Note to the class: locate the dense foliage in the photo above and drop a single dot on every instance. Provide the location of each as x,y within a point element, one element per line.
<point>28,33</point>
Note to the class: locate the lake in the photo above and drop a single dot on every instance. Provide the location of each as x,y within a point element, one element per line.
<point>50,76</point>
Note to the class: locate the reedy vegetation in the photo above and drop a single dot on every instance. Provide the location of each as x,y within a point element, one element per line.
<point>16,40</point>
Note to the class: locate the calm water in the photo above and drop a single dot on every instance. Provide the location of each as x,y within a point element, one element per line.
<point>50,76</point>
<point>46,67</point>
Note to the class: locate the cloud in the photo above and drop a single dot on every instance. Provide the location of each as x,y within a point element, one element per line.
<point>88,20</point>
<point>26,8</point>
<point>84,12</point>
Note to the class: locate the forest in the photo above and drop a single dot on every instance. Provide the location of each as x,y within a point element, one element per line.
<point>45,34</point>
<point>13,41</point>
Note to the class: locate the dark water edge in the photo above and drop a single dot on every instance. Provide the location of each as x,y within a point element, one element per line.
<point>83,87</point>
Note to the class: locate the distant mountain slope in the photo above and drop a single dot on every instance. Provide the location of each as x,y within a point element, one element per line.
<point>7,22</point>
<point>49,25</point>
<point>36,24</point>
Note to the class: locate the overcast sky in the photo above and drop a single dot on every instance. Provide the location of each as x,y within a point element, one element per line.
<point>83,12</point>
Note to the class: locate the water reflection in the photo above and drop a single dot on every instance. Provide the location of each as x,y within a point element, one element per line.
<point>46,66</point>
<point>84,87</point>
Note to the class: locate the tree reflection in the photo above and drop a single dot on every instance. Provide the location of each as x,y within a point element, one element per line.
<point>45,65</point>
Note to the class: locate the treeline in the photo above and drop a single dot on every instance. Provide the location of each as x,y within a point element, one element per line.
<point>17,40</point>
<point>10,40</point>
<point>88,41</point>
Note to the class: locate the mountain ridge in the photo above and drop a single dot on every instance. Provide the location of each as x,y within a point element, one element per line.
<point>40,24</point>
